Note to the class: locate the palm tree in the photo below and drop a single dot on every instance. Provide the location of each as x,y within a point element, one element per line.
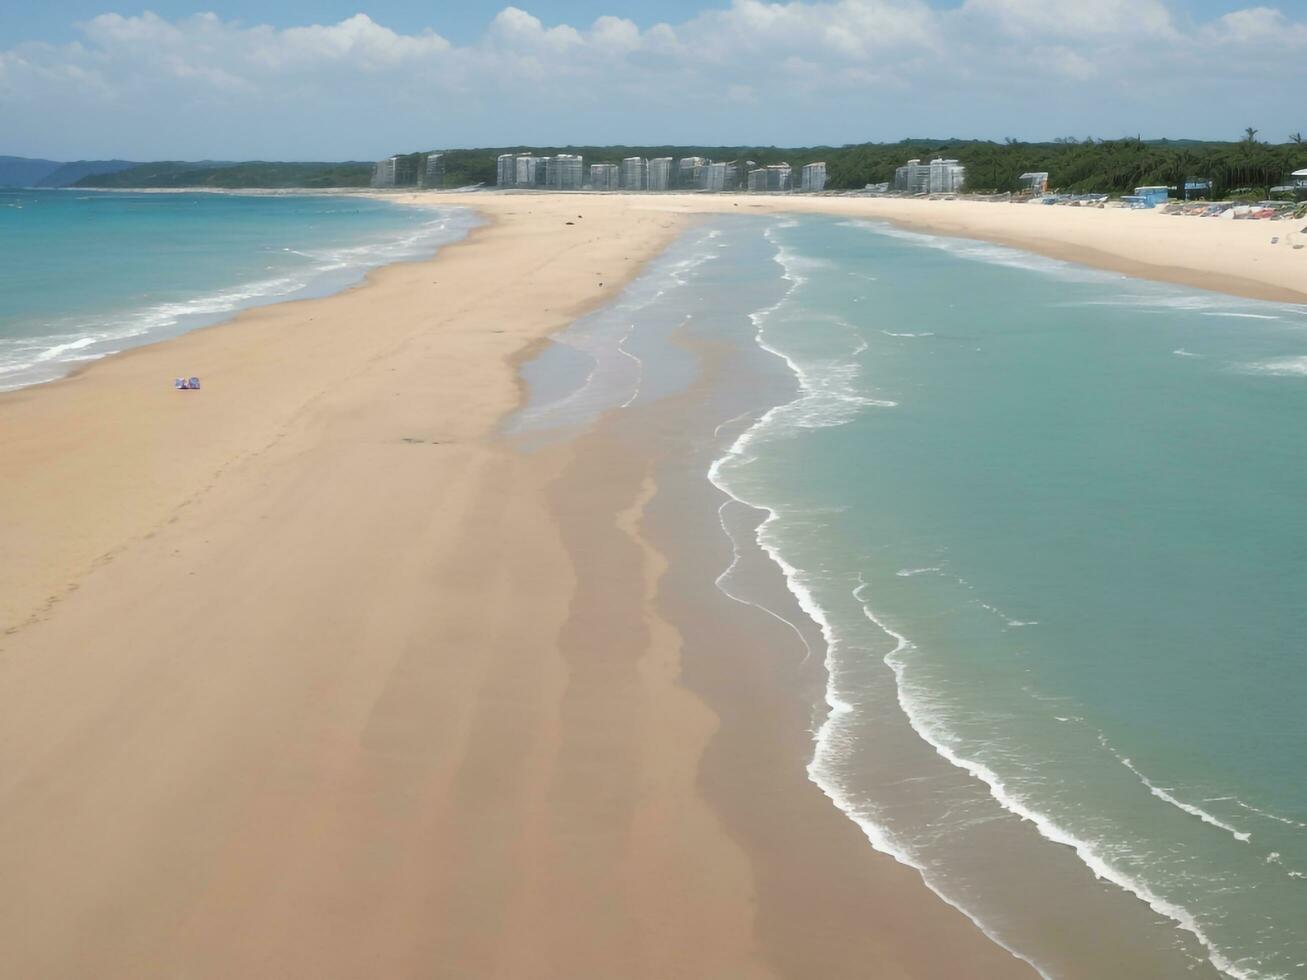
<point>1297,138</point>
<point>1250,134</point>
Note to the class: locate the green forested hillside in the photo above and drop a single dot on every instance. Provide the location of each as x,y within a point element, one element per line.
<point>235,175</point>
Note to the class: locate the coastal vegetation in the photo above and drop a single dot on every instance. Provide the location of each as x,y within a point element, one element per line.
<point>250,174</point>
<point>1247,167</point>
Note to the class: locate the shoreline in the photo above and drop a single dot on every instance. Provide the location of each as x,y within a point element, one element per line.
<point>294,528</point>
<point>329,273</point>
<point>1232,258</point>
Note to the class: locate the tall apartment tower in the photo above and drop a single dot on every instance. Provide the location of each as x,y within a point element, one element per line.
<point>396,171</point>
<point>912,177</point>
<point>506,170</point>
<point>691,173</point>
<point>813,178</point>
<point>605,176</point>
<point>779,177</point>
<point>564,172</point>
<point>659,174</point>
<point>529,170</point>
<point>946,176</point>
<point>635,174</point>
<point>383,173</point>
<point>433,173</point>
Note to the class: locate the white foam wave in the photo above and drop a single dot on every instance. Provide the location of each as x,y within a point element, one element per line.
<point>915,704</point>
<point>831,738</point>
<point>1266,814</point>
<point>924,333</point>
<point>1166,795</point>
<point>37,358</point>
<point>827,738</point>
<point>987,252</point>
<point>1161,298</point>
<point>829,394</point>
<point>911,572</point>
<point>1240,316</point>
<point>1285,367</point>
<point>1181,352</point>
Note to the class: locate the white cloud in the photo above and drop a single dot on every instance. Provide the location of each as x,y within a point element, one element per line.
<point>798,71</point>
<point>1076,18</point>
<point>1260,24</point>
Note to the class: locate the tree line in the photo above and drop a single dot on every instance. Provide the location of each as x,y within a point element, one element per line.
<point>1248,167</point>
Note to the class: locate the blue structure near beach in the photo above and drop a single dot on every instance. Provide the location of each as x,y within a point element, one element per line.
<point>1152,196</point>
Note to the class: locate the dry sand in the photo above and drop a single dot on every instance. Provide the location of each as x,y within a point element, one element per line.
<point>310,675</point>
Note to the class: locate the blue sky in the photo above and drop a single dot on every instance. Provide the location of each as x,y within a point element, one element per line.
<point>461,22</point>
<point>336,79</point>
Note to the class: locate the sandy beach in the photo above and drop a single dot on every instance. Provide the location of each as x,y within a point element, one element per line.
<point>1235,257</point>
<point>314,674</point>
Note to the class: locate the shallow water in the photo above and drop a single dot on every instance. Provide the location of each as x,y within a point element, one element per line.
<point>1050,520</point>
<point>85,274</point>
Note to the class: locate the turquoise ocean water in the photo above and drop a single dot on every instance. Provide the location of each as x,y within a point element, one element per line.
<point>1053,525</point>
<point>84,274</point>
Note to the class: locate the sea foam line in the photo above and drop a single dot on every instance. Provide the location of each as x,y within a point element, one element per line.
<point>929,729</point>
<point>990,253</point>
<point>1162,793</point>
<point>27,354</point>
<point>824,738</point>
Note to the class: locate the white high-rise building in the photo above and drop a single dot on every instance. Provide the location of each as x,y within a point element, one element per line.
<point>659,174</point>
<point>400,170</point>
<point>383,172</point>
<point>912,178</point>
<point>780,177</point>
<point>635,172</point>
<point>723,176</point>
<point>813,178</point>
<point>691,173</point>
<point>433,174</point>
<point>531,171</point>
<point>526,170</point>
<point>604,176</point>
<point>946,176</point>
<point>564,172</point>
<point>940,176</point>
<point>506,170</point>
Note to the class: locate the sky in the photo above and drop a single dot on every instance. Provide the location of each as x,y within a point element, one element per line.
<point>352,79</point>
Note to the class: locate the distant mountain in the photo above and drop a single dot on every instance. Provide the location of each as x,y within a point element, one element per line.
<point>23,172</point>
<point>26,172</point>
<point>67,174</point>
